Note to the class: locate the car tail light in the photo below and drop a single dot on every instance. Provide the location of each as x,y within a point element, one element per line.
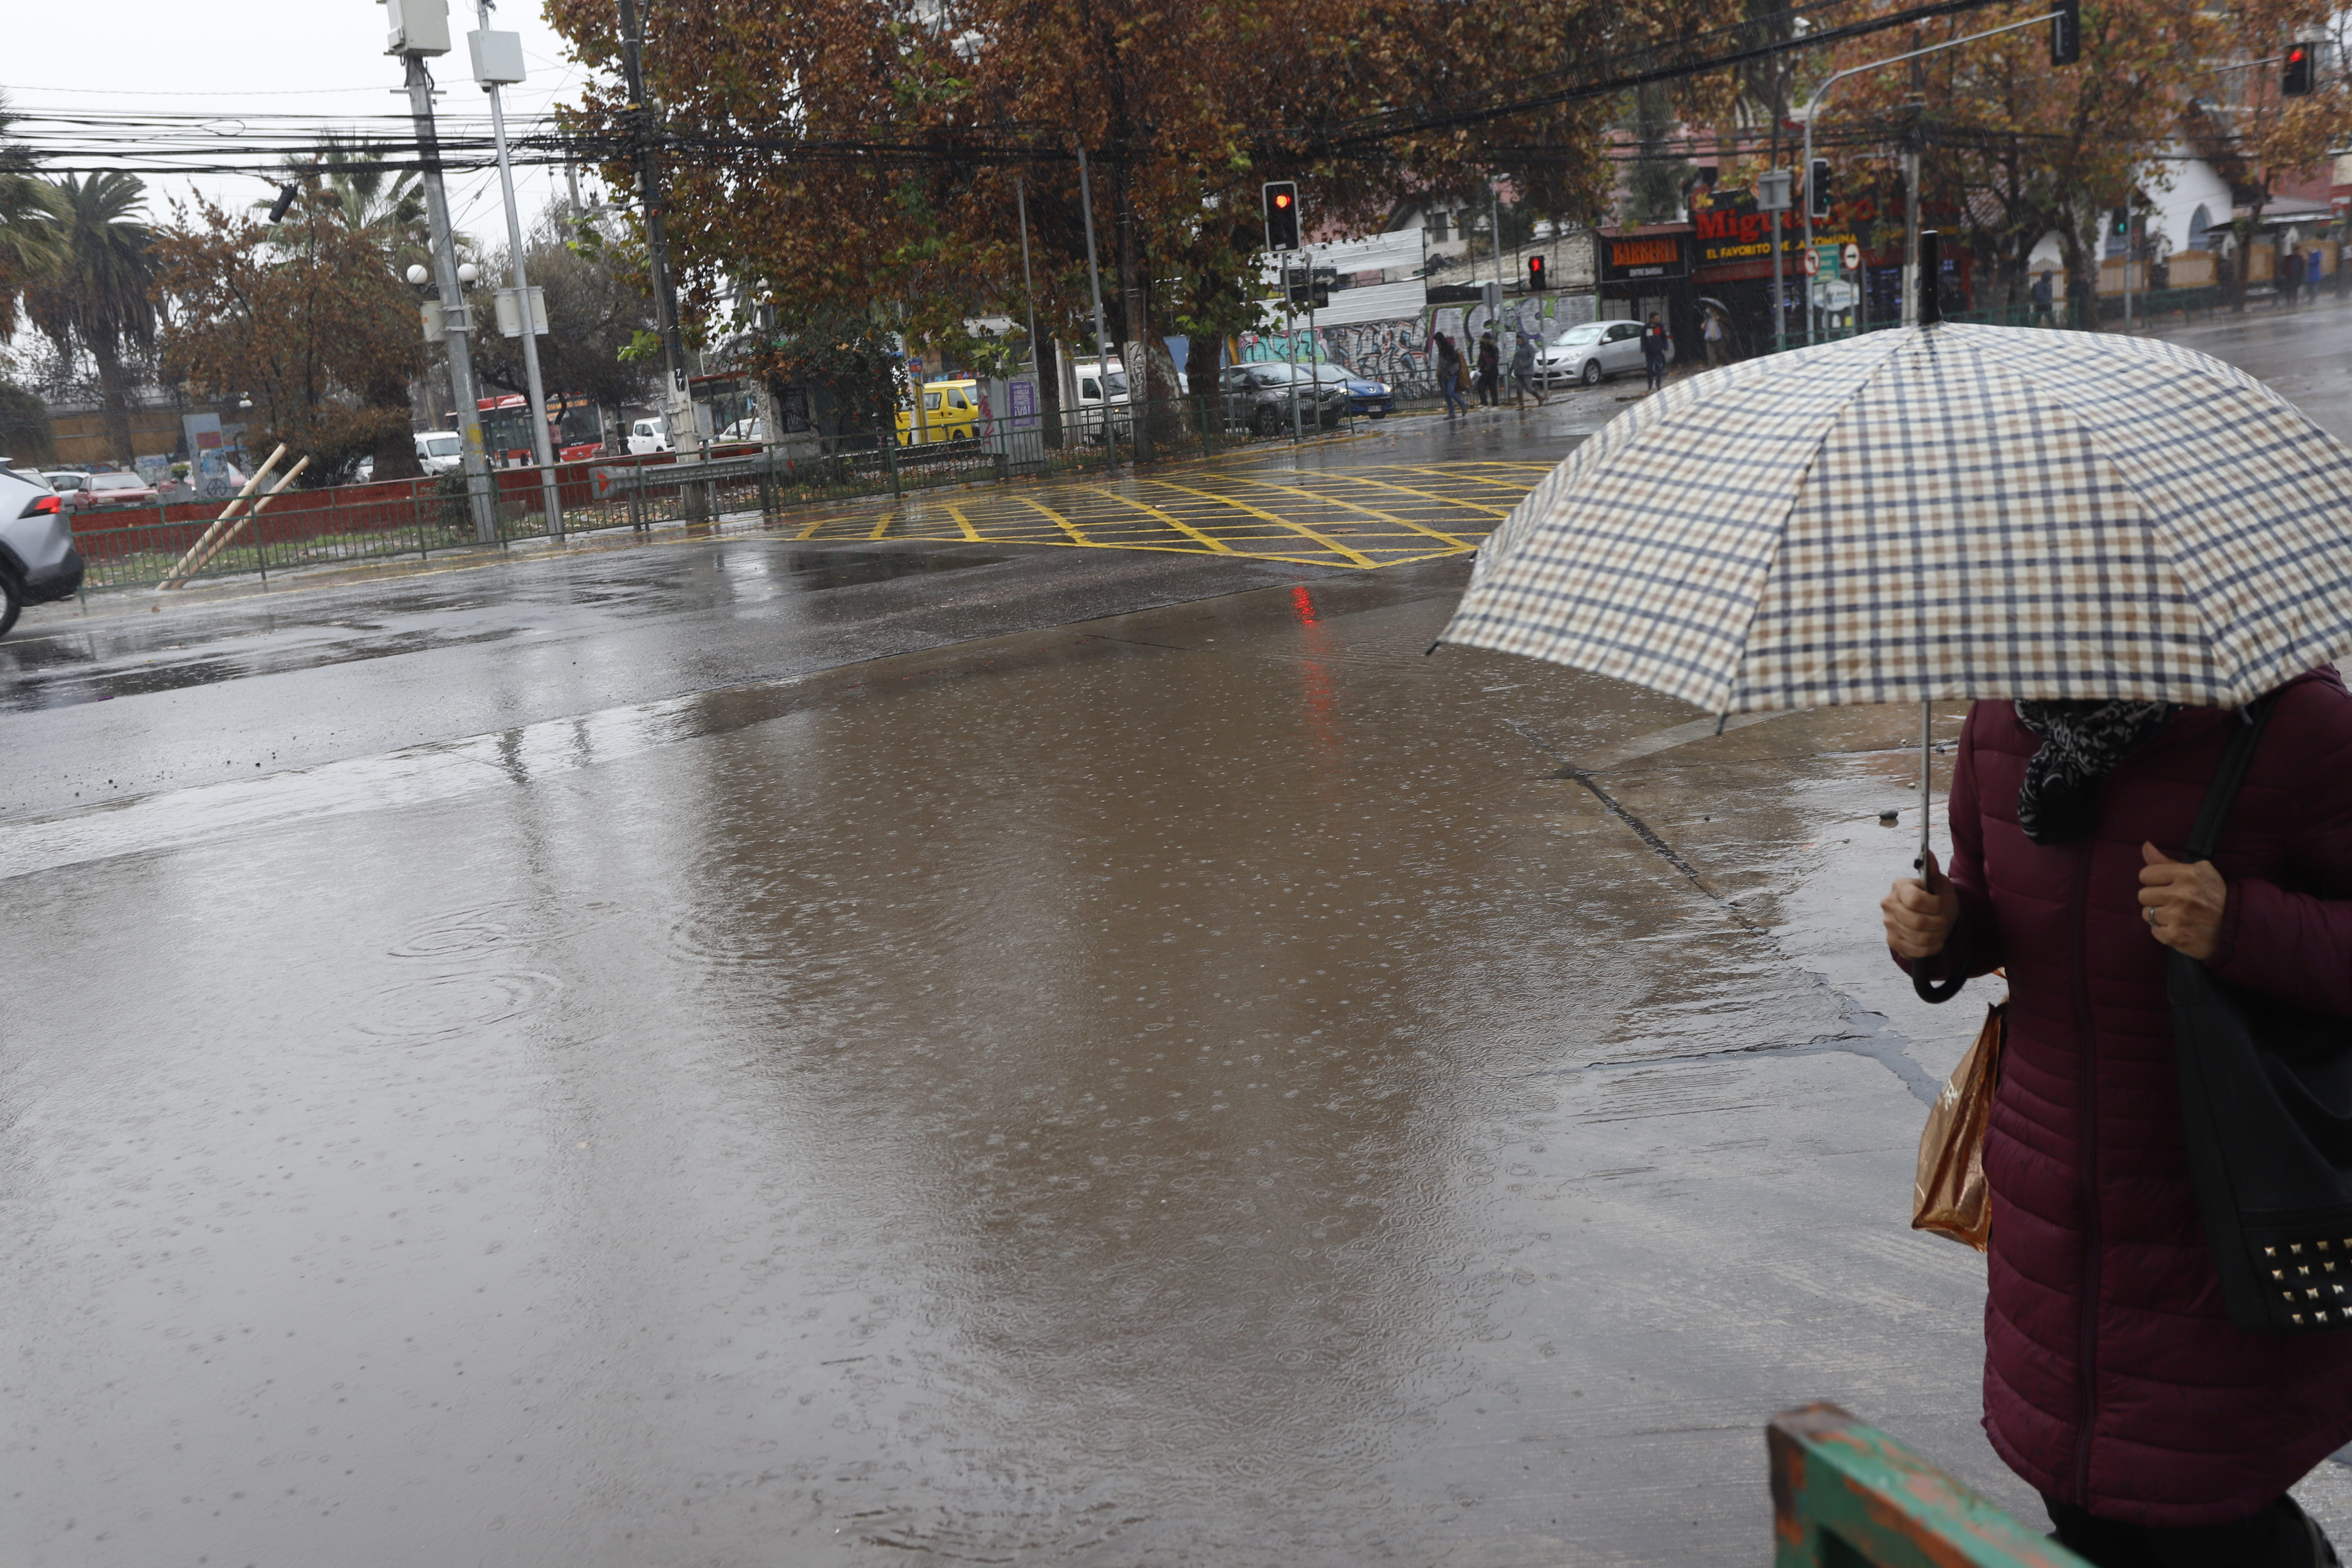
<point>47,503</point>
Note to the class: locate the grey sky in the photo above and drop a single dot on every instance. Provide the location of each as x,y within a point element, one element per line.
<point>309,58</point>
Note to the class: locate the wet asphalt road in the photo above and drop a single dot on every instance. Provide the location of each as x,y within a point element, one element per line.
<point>740,1053</point>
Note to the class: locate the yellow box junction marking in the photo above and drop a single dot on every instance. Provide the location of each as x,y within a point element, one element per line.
<point>1254,515</point>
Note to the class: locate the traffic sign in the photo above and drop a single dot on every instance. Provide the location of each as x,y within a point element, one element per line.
<point>1812,263</point>
<point>1852,258</point>
<point>1832,294</point>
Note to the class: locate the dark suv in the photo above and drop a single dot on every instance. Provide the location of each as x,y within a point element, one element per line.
<point>1258,399</point>
<point>38,560</point>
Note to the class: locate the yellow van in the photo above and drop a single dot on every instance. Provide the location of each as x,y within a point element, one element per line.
<point>951,412</point>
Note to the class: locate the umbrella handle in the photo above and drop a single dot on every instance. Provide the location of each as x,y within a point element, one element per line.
<point>1937,992</point>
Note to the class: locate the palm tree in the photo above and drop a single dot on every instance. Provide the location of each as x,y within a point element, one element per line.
<point>102,297</point>
<point>31,243</point>
<point>385,204</point>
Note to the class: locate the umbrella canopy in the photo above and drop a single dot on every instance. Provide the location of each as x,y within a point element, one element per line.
<point>1937,512</point>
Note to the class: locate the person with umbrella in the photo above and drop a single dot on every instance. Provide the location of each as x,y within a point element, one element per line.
<point>1490,369</point>
<point>2120,550</point>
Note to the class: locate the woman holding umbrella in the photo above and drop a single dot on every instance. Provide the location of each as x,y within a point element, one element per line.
<point>2124,554</point>
<point>2157,1433</point>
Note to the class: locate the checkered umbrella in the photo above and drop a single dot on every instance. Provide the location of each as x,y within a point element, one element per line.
<point>1937,512</point>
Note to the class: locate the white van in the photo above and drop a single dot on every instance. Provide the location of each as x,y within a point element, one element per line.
<point>440,451</point>
<point>648,435</point>
<point>1095,376</point>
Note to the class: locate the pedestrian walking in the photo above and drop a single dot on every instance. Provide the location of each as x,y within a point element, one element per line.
<point>1712,333</point>
<point>1523,372</point>
<point>2311,270</point>
<point>1449,375</point>
<point>2158,1432</point>
<point>1490,369</point>
<point>2044,301</point>
<point>1655,346</point>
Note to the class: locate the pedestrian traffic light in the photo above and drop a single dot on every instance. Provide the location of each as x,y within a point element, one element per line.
<point>2119,222</point>
<point>1281,214</point>
<point>1817,189</point>
<point>2294,81</point>
<point>2066,33</point>
<point>1534,274</point>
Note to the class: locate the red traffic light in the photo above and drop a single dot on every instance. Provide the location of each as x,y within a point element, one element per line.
<point>1282,198</point>
<point>2296,81</point>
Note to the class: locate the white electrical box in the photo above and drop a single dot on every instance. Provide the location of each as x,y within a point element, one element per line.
<point>510,319</point>
<point>418,26</point>
<point>498,57</point>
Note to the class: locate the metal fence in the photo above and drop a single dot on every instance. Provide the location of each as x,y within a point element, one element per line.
<point>138,546</point>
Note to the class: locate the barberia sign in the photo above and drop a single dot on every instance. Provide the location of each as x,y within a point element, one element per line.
<point>1642,255</point>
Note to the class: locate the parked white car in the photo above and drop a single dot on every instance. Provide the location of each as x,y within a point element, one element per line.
<point>1592,352</point>
<point>648,435</point>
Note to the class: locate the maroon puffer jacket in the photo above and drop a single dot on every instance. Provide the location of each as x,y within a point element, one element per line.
<point>2112,1379</point>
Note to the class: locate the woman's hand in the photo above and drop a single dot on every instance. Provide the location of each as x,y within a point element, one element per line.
<point>1920,914</point>
<point>2182,901</point>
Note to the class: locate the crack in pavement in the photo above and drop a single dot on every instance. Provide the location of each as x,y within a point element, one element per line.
<point>1867,1034</point>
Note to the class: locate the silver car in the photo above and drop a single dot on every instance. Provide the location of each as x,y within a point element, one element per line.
<point>38,560</point>
<point>1594,351</point>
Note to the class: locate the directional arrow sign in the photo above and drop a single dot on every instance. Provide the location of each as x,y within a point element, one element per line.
<point>1852,258</point>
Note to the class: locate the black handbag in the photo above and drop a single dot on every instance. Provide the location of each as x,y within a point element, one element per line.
<point>2266,1108</point>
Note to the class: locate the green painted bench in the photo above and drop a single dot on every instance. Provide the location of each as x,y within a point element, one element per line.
<point>1846,1495</point>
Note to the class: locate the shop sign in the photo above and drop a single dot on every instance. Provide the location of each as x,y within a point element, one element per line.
<point>1725,235</point>
<point>1625,259</point>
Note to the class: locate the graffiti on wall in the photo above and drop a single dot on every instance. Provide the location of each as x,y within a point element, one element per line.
<point>1402,351</point>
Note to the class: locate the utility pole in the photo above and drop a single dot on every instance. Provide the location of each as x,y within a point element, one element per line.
<point>1028,289</point>
<point>421,28</point>
<point>497,60</point>
<point>1811,111</point>
<point>1913,283</point>
<point>1102,329</point>
<point>1495,205</point>
<point>677,402</point>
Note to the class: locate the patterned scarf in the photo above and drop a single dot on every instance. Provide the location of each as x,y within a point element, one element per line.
<point>2081,744</point>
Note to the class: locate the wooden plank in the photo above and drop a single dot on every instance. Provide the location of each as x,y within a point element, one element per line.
<point>1846,1495</point>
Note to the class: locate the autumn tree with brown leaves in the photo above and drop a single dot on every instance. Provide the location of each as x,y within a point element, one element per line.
<point>841,161</point>
<point>307,318</point>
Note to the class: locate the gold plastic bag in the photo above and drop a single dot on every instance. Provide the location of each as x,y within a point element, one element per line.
<point>1948,1197</point>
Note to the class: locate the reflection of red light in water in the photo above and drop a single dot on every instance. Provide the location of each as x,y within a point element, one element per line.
<point>1319,699</point>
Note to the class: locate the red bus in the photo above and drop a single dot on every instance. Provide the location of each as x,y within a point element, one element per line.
<point>578,430</point>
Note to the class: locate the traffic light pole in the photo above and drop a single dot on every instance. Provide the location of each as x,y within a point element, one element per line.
<point>1102,329</point>
<point>543,445</point>
<point>454,322</point>
<point>1813,105</point>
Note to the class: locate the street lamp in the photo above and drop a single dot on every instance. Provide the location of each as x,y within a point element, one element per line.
<point>1813,110</point>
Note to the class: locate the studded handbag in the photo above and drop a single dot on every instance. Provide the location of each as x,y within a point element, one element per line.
<point>2266,1108</point>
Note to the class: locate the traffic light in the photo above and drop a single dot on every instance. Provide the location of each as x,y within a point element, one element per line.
<point>2119,222</point>
<point>2294,81</point>
<point>1817,189</point>
<point>1281,214</point>
<point>284,200</point>
<point>2066,33</point>
<point>1535,275</point>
